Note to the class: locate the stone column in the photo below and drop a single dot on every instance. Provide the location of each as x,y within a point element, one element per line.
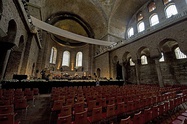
<point>124,72</point>
<point>137,68</point>
<point>5,53</point>
<point>159,74</point>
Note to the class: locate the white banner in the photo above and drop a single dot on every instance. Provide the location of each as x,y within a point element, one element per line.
<point>55,30</point>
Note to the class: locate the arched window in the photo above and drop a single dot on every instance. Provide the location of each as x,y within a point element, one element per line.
<point>139,16</point>
<point>151,6</point>
<point>141,26</point>
<point>79,59</point>
<point>144,60</point>
<point>162,58</point>
<point>131,62</point>
<point>171,10</point>
<point>53,55</point>
<point>166,1</point>
<point>130,32</point>
<point>66,58</point>
<point>179,54</point>
<point>154,20</point>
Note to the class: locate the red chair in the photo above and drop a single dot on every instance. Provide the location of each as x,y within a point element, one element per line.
<point>138,118</point>
<point>21,104</point>
<point>36,91</point>
<point>126,120</point>
<point>147,115</point>
<point>8,119</point>
<point>155,112</point>
<point>120,108</point>
<point>96,115</point>
<point>6,109</point>
<point>81,118</point>
<point>78,107</point>
<point>65,110</point>
<point>57,105</point>
<point>111,101</point>
<point>91,104</point>
<point>119,99</point>
<point>161,109</point>
<point>64,119</point>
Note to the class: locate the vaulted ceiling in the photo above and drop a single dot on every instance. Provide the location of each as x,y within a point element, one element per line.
<point>104,16</point>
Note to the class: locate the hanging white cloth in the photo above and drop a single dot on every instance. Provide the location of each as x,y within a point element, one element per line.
<point>55,30</point>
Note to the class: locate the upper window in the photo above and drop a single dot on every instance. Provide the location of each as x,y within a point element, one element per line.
<point>171,10</point>
<point>131,62</point>
<point>130,32</point>
<point>151,6</point>
<point>154,20</point>
<point>66,58</point>
<point>141,26</point>
<point>179,54</point>
<point>53,55</point>
<point>144,60</point>
<point>139,16</point>
<point>79,59</point>
<point>166,1</point>
<point>162,58</point>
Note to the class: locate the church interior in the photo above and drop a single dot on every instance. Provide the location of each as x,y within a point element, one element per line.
<point>93,61</point>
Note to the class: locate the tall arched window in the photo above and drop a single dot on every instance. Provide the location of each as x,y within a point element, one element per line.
<point>79,57</point>
<point>130,32</point>
<point>66,58</point>
<point>131,62</point>
<point>151,6</point>
<point>154,20</point>
<point>144,60</point>
<point>166,1</point>
<point>141,26</point>
<point>162,58</point>
<point>179,54</point>
<point>139,16</point>
<point>171,10</point>
<point>53,55</point>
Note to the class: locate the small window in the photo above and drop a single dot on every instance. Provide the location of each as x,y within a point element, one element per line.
<point>141,26</point>
<point>66,58</point>
<point>144,60</point>
<point>151,6</point>
<point>130,32</point>
<point>162,58</point>
<point>53,55</point>
<point>131,62</point>
<point>154,20</point>
<point>171,10</point>
<point>79,59</point>
<point>166,1</point>
<point>139,16</point>
<point>179,54</point>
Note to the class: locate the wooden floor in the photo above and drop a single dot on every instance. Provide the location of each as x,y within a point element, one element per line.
<point>40,113</point>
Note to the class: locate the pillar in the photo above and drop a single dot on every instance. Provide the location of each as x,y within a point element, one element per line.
<point>159,73</point>
<point>137,68</point>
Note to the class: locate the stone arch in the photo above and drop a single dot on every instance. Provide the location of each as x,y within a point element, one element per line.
<point>115,59</point>
<point>125,57</point>
<point>143,51</point>
<point>12,30</point>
